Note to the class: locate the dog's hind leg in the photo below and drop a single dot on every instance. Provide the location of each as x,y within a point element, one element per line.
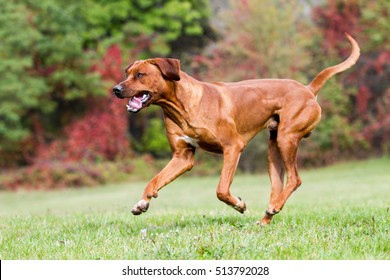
<point>288,146</point>
<point>276,172</point>
<point>297,124</point>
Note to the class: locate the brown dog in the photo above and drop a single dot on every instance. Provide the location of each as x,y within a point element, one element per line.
<point>223,117</point>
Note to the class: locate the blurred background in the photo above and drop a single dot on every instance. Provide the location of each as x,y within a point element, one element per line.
<point>61,126</point>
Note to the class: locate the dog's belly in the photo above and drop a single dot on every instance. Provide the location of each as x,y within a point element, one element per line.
<point>210,147</point>
<point>205,142</point>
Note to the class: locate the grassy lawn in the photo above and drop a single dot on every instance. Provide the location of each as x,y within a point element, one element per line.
<point>339,212</point>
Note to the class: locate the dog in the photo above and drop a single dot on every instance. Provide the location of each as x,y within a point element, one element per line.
<point>223,117</point>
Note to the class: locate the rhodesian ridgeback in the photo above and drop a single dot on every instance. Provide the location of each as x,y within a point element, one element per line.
<point>223,117</point>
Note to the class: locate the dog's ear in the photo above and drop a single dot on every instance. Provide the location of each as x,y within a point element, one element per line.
<point>127,68</point>
<point>169,67</point>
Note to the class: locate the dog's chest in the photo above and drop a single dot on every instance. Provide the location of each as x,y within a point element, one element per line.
<point>189,140</point>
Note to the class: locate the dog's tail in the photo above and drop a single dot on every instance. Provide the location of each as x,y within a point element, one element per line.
<point>317,83</point>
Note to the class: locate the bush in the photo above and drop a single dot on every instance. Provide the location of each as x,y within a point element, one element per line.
<point>58,174</point>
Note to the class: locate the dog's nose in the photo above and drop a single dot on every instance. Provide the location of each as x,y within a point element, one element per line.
<point>117,90</point>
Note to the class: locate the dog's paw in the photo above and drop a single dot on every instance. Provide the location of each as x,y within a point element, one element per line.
<point>264,221</point>
<point>240,206</point>
<point>141,207</point>
<point>272,211</point>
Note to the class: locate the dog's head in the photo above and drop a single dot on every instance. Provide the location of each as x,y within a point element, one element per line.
<point>146,81</point>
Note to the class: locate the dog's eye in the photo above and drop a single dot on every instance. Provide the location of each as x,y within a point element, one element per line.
<point>139,75</point>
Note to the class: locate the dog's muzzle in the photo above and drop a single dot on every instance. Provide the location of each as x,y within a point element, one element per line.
<point>117,90</point>
<point>136,102</point>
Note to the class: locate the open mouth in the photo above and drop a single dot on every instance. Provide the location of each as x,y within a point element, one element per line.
<point>138,102</point>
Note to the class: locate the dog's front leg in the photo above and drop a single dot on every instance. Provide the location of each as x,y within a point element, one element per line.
<point>230,162</point>
<point>182,161</point>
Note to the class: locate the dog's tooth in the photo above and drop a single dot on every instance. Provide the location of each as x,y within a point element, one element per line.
<point>128,107</point>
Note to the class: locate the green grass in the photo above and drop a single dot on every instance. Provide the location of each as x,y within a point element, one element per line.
<point>340,212</point>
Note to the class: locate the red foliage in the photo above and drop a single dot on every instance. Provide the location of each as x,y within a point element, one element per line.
<point>370,76</point>
<point>362,99</point>
<point>334,20</point>
<point>60,174</point>
<point>110,66</point>
<point>102,131</point>
<point>100,134</point>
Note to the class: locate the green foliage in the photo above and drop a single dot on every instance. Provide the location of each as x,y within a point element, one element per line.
<point>335,137</point>
<point>266,39</point>
<point>19,91</point>
<point>146,27</point>
<point>376,19</point>
<point>43,67</point>
<point>155,140</point>
<point>334,124</point>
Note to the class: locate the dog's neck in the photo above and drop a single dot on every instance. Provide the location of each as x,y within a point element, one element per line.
<point>181,101</point>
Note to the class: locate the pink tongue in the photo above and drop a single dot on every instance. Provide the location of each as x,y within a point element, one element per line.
<point>135,102</point>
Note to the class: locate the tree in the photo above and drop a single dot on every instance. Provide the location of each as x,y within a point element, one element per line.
<point>44,72</point>
<point>56,66</point>
<point>147,28</point>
